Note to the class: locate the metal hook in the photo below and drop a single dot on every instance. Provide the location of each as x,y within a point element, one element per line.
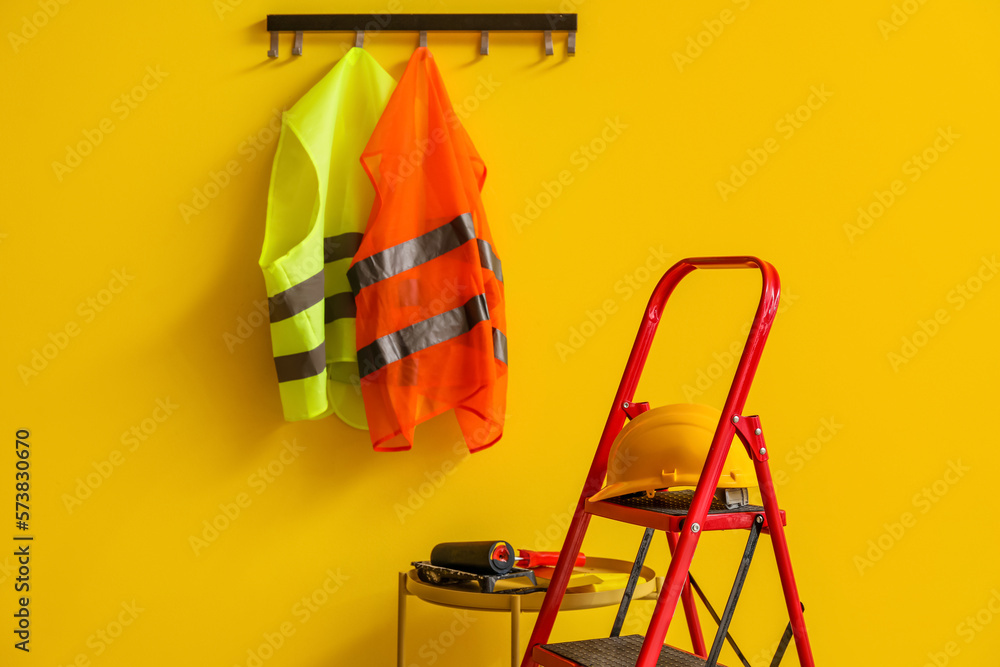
<point>423,38</point>
<point>571,43</point>
<point>359,39</point>
<point>297,47</point>
<point>273,53</point>
<point>484,45</point>
<point>548,43</point>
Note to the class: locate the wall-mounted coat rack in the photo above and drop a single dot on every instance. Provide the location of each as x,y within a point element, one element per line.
<point>422,23</point>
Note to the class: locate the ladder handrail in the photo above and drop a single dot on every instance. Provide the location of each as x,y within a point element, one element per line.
<point>724,433</point>
<point>764,317</point>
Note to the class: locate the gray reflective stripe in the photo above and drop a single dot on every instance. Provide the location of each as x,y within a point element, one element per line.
<point>341,246</point>
<point>408,254</point>
<point>399,344</point>
<point>296,298</point>
<point>301,365</point>
<point>499,345</point>
<point>489,260</point>
<point>339,306</point>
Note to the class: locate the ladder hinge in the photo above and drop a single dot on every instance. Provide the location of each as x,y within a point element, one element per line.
<point>752,436</point>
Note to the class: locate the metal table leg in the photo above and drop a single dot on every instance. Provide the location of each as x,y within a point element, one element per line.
<point>515,630</point>
<point>401,621</point>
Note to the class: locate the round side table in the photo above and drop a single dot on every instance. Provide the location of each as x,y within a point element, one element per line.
<point>647,587</point>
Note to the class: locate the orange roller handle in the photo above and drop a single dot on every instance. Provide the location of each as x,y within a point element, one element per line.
<point>530,559</point>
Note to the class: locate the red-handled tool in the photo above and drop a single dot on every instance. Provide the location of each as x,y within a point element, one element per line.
<point>530,559</point>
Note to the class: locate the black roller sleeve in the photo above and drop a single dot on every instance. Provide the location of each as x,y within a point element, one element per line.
<point>495,557</point>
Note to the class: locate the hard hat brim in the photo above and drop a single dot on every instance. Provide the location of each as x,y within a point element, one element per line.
<point>625,488</point>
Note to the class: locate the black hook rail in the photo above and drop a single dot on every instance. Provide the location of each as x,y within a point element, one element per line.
<point>419,22</point>
<point>422,23</point>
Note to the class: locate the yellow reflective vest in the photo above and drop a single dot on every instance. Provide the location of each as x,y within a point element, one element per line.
<point>317,207</point>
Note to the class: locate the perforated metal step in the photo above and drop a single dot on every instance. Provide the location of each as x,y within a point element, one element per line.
<point>609,652</point>
<point>677,503</point>
<point>667,510</point>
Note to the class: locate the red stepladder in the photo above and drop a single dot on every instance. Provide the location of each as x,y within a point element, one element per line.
<point>682,516</point>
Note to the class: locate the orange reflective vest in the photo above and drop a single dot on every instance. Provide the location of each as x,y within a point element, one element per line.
<point>431,333</point>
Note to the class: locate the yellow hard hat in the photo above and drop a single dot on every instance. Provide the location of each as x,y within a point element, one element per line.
<point>666,447</point>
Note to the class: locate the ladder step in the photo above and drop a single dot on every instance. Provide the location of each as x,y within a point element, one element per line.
<point>609,652</point>
<point>667,510</point>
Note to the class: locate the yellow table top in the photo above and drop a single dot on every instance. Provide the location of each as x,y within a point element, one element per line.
<point>470,597</point>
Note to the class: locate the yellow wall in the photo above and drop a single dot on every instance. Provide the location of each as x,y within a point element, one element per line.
<point>138,308</point>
